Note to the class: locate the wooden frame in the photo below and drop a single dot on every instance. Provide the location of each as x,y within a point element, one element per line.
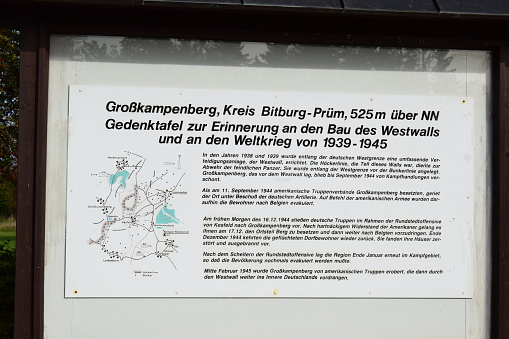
<point>230,23</point>
<point>500,234</point>
<point>31,185</point>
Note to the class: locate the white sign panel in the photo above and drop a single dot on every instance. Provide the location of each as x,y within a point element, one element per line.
<point>207,193</point>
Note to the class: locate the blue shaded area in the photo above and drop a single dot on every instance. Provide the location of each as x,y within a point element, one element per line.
<point>123,175</point>
<point>166,216</point>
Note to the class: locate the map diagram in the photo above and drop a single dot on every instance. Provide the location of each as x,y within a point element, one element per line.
<point>138,217</point>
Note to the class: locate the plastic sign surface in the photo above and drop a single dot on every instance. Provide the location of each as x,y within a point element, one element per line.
<point>208,193</point>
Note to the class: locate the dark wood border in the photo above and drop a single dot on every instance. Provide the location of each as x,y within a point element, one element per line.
<point>26,220</point>
<point>500,196</point>
<point>29,293</point>
<point>235,23</point>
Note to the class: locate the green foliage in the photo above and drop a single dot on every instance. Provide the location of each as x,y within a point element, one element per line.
<point>9,107</point>
<point>7,198</point>
<point>9,112</point>
<point>7,272</point>
<point>8,234</point>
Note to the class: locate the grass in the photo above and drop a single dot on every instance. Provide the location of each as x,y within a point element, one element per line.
<point>8,233</point>
<point>7,273</point>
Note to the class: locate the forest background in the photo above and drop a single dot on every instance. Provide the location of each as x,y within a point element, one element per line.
<point>9,111</point>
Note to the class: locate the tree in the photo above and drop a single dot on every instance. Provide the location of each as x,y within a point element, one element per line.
<point>9,112</point>
<point>355,58</point>
<point>182,51</point>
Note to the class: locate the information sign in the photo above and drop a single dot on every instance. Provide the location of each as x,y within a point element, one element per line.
<point>209,193</point>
